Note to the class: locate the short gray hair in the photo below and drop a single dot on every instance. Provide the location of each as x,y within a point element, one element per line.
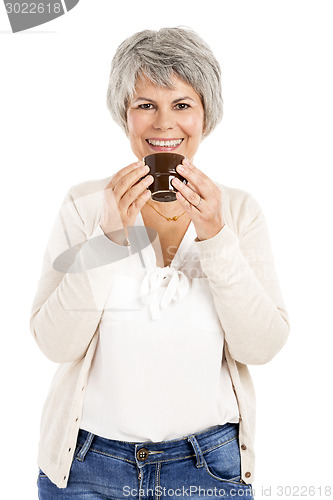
<point>158,55</point>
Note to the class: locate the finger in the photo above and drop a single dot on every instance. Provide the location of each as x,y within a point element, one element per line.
<point>191,196</point>
<point>114,191</point>
<point>135,191</point>
<point>126,181</point>
<point>186,205</point>
<point>138,203</point>
<point>114,179</point>
<point>201,182</point>
<point>191,186</point>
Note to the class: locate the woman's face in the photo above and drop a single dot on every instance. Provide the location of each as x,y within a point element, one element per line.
<point>156,115</point>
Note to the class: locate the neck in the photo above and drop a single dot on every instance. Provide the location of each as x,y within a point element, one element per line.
<point>169,209</point>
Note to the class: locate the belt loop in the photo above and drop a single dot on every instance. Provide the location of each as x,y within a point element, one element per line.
<point>82,453</point>
<point>197,450</point>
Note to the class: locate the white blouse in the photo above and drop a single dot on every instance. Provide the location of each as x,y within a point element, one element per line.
<point>159,371</point>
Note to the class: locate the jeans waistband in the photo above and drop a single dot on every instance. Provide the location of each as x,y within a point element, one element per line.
<point>159,451</point>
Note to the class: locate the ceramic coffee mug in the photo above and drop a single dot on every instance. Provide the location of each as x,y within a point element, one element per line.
<point>163,169</point>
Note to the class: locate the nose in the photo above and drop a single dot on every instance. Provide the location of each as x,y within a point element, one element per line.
<point>164,120</point>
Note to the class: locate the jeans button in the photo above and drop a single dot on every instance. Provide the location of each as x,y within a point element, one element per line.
<point>142,454</point>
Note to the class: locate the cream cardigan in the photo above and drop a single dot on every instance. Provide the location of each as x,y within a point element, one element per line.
<point>74,285</point>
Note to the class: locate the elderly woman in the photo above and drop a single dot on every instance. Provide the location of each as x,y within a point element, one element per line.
<point>154,309</point>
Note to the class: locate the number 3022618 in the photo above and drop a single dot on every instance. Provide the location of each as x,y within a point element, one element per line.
<point>304,491</point>
<point>32,8</point>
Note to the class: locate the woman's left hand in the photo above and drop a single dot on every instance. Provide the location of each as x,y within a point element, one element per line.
<point>201,199</point>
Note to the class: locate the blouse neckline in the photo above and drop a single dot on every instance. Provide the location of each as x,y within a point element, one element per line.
<point>148,253</point>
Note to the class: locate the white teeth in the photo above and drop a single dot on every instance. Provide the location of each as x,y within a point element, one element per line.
<point>167,144</point>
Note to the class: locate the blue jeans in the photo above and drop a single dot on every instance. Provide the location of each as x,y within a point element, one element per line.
<point>206,464</point>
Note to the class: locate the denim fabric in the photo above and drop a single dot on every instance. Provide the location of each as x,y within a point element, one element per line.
<point>205,464</point>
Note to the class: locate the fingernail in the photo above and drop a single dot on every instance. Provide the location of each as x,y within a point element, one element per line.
<point>140,163</point>
<point>180,168</point>
<point>186,162</point>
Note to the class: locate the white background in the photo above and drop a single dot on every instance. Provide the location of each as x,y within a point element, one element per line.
<point>275,141</point>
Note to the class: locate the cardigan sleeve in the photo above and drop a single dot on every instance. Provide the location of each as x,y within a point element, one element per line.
<point>246,292</point>
<point>75,281</point>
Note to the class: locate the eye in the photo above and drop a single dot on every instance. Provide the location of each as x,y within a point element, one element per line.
<point>182,105</point>
<point>146,105</point>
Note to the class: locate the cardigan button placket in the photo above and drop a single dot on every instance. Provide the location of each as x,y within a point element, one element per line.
<point>247,474</point>
<point>244,447</point>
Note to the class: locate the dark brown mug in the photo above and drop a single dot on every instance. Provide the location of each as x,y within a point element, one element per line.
<point>163,169</point>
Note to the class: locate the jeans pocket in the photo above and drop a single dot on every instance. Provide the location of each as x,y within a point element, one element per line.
<point>76,452</point>
<point>223,462</point>
<point>41,473</point>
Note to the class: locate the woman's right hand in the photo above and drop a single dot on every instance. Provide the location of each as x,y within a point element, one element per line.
<point>124,197</point>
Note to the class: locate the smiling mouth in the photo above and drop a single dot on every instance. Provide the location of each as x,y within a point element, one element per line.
<point>171,143</point>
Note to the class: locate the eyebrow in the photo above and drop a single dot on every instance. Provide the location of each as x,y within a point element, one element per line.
<point>173,102</point>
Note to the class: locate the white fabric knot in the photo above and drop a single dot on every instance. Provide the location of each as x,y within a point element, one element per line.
<point>175,283</point>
